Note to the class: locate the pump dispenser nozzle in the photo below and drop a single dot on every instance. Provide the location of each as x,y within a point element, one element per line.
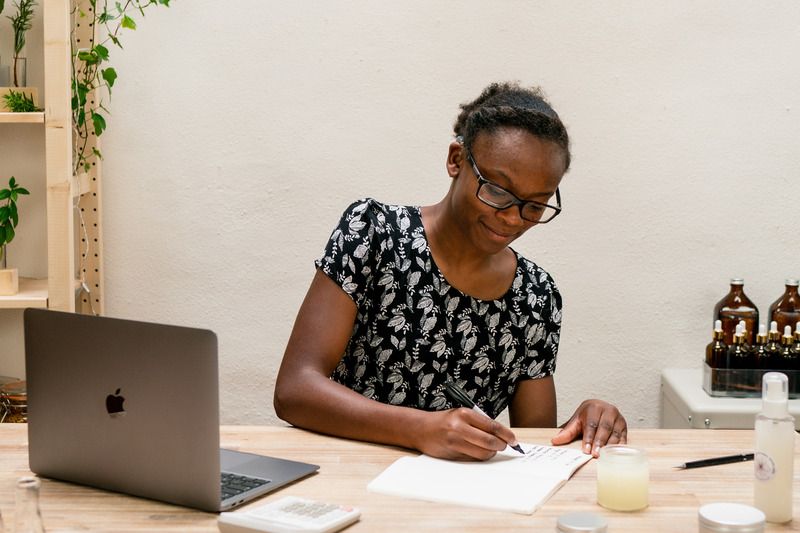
<point>775,395</point>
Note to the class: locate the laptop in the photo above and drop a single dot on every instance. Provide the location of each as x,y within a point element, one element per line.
<point>133,407</point>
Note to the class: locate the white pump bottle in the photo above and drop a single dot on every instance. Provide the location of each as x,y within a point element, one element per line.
<point>774,451</point>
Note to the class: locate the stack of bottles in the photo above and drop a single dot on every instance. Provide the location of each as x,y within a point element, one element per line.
<point>738,357</point>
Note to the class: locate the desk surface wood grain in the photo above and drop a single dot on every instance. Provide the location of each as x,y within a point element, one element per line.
<point>347,466</point>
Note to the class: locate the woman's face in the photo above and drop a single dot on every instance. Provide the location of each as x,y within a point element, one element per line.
<point>517,161</point>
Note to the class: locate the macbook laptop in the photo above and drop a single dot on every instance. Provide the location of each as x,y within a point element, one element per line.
<point>133,407</point>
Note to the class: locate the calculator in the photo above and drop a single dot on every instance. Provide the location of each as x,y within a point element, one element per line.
<point>290,515</point>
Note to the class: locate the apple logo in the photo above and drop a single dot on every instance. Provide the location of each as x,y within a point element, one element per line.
<point>114,405</point>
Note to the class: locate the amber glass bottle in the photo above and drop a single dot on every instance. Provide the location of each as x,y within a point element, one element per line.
<point>741,360</point>
<point>717,356</point>
<point>790,360</point>
<point>760,354</point>
<point>773,348</point>
<point>796,345</point>
<point>734,307</point>
<point>786,309</point>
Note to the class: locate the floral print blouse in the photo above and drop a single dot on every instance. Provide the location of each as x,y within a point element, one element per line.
<point>413,330</point>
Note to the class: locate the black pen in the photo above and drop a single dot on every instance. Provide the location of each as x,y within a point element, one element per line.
<point>718,461</point>
<point>461,397</point>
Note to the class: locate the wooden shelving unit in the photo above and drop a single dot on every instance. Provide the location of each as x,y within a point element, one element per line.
<point>60,290</point>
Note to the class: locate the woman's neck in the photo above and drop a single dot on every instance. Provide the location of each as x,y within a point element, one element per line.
<point>472,271</point>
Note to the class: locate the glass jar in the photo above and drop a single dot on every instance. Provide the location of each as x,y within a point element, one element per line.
<point>14,400</point>
<point>623,478</point>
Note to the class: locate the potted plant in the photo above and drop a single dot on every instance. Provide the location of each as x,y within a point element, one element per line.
<point>21,23</point>
<point>3,70</point>
<point>9,218</point>
<point>22,98</point>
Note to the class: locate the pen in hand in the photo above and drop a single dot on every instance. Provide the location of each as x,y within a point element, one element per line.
<point>461,397</point>
<point>738,458</point>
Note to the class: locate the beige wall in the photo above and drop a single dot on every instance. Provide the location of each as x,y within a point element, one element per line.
<point>239,135</point>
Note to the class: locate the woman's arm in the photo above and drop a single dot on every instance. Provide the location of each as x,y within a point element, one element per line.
<point>305,395</point>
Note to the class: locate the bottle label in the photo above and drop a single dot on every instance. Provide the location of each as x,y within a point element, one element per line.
<point>765,467</point>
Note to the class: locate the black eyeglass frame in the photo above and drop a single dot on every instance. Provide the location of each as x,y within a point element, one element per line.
<point>520,203</point>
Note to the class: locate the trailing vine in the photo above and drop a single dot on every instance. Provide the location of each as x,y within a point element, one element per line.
<point>90,73</point>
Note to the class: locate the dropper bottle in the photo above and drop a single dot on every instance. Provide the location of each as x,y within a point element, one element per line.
<point>774,450</point>
<point>717,356</point>
<point>760,356</point>
<point>789,358</point>
<point>773,347</point>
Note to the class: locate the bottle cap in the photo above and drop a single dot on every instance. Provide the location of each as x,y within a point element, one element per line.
<point>762,329</point>
<point>792,282</point>
<point>773,326</point>
<point>581,523</point>
<point>730,517</point>
<point>718,325</point>
<point>775,395</point>
<point>737,281</point>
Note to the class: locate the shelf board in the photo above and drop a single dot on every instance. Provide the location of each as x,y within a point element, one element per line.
<point>32,293</point>
<point>21,118</point>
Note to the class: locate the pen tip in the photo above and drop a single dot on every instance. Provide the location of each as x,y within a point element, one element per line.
<point>518,448</point>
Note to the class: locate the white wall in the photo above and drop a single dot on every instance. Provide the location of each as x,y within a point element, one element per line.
<point>239,135</point>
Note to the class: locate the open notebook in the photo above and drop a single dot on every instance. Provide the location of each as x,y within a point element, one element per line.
<point>507,482</point>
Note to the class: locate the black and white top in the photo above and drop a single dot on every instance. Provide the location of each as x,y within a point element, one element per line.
<point>413,330</point>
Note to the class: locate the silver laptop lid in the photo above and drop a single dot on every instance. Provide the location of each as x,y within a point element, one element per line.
<point>123,405</point>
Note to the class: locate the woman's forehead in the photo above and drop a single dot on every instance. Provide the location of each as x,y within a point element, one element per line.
<point>518,150</point>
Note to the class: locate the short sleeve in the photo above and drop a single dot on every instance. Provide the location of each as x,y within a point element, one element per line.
<point>353,253</point>
<point>543,331</point>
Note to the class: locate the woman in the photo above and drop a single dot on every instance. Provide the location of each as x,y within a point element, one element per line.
<point>407,298</point>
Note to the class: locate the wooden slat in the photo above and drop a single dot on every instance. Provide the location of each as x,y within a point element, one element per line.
<point>58,137</point>
<point>21,118</point>
<point>90,206</point>
<point>32,293</point>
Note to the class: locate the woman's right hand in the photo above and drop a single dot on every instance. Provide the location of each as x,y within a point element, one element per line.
<point>462,434</point>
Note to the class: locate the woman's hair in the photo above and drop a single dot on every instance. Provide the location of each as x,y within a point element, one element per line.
<point>508,105</point>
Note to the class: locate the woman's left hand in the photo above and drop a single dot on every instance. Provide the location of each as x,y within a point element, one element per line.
<point>599,422</point>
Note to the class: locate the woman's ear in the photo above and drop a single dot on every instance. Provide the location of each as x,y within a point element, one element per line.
<point>455,159</point>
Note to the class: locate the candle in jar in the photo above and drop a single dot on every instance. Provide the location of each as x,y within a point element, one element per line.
<point>623,478</point>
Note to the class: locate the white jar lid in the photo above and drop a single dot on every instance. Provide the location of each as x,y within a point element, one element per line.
<point>731,517</point>
<point>581,523</point>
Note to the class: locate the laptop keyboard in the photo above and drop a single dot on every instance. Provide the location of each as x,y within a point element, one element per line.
<point>235,484</point>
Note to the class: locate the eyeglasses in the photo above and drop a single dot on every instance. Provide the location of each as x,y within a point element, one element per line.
<point>495,196</point>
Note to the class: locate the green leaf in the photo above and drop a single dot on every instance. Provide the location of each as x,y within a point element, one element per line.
<point>90,58</point>
<point>9,233</point>
<point>128,22</point>
<point>110,75</point>
<point>22,190</point>
<point>97,153</point>
<point>101,51</point>
<point>99,123</point>
<point>12,183</point>
<point>5,212</point>
<point>4,193</point>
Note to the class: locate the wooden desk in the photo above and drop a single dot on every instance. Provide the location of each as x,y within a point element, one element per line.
<point>347,467</point>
